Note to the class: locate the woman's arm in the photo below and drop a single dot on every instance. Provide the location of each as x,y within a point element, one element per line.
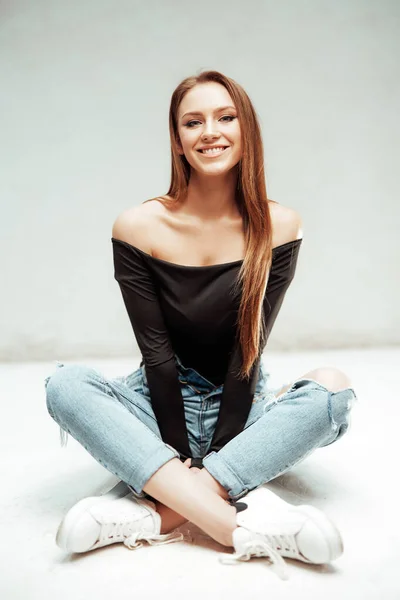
<point>135,278</point>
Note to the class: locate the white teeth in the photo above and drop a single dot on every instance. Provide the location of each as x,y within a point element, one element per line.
<point>212,150</point>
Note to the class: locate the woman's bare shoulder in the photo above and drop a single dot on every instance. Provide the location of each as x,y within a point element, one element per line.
<point>287,223</point>
<point>136,225</point>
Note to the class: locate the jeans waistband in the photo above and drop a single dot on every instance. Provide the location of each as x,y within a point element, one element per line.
<point>191,376</point>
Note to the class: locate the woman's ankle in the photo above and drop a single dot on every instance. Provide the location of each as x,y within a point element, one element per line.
<point>170,519</point>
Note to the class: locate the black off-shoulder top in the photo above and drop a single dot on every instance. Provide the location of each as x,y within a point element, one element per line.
<point>191,311</point>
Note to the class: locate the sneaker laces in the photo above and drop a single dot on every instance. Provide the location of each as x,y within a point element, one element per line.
<point>122,532</point>
<point>268,549</point>
<point>153,539</point>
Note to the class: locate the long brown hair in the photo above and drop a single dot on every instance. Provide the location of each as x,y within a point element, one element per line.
<point>252,202</point>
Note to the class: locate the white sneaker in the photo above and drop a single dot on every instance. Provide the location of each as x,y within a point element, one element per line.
<point>270,527</point>
<point>103,520</point>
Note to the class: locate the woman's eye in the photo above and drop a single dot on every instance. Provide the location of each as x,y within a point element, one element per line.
<point>225,117</point>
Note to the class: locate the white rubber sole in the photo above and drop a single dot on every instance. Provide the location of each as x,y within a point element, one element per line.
<point>328,528</point>
<point>63,533</point>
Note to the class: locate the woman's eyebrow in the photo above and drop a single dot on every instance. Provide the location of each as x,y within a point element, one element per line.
<point>200,113</point>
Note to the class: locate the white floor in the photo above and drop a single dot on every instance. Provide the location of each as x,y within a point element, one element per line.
<point>355,481</point>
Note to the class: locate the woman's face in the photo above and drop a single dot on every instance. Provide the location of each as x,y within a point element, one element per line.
<point>207,117</point>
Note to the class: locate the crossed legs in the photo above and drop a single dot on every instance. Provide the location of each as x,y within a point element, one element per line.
<point>194,495</point>
<point>185,495</point>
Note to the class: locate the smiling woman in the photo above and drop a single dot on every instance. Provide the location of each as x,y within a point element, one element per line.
<point>203,272</point>
<point>215,132</point>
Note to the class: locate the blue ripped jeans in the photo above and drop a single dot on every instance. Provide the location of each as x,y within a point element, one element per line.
<point>114,421</point>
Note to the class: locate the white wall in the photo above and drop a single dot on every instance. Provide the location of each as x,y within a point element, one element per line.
<point>85,91</point>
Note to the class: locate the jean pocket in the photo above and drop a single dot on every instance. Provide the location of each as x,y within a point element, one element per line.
<point>188,389</point>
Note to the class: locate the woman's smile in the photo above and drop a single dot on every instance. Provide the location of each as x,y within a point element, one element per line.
<point>212,153</point>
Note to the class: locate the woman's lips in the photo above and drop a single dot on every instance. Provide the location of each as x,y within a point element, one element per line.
<point>212,154</point>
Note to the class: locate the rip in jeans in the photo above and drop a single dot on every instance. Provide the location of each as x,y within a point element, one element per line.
<point>63,432</point>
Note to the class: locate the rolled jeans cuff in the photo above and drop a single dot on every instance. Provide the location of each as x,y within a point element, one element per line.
<point>146,471</point>
<point>222,472</point>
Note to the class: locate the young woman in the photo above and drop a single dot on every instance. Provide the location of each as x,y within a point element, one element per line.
<point>203,272</point>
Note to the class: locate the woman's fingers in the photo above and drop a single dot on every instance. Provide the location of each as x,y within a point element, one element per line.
<point>195,470</point>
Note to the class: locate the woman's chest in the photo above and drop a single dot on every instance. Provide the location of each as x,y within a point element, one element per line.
<point>194,244</point>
